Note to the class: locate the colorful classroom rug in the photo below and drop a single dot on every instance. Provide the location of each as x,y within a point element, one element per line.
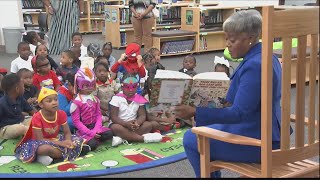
<point>104,160</point>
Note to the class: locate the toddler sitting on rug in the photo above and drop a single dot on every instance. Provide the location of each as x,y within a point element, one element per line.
<point>85,110</point>
<point>42,141</point>
<point>128,114</point>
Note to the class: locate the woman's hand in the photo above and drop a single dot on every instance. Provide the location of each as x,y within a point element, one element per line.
<point>51,10</point>
<point>184,111</point>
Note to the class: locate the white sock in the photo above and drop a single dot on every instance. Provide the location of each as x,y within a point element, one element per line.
<point>45,160</point>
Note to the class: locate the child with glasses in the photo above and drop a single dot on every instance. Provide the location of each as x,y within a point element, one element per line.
<point>44,76</point>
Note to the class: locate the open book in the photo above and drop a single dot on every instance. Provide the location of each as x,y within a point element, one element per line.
<point>171,88</point>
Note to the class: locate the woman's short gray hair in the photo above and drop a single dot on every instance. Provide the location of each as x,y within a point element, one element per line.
<point>244,21</point>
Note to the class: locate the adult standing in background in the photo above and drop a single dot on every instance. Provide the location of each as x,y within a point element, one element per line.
<point>142,20</point>
<point>64,21</point>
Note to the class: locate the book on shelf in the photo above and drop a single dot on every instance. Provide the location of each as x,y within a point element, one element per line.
<point>182,46</point>
<point>170,88</point>
<point>28,4</point>
<point>125,16</point>
<point>97,7</point>
<point>123,38</point>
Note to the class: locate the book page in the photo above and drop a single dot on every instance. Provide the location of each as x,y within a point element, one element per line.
<point>212,75</point>
<point>168,74</point>
<point>171,91</point>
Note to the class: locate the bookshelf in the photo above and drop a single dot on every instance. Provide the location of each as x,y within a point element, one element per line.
<point>30,11</point>
<point>93,19</point>
<point>207,22</point>
<point>119,30</point>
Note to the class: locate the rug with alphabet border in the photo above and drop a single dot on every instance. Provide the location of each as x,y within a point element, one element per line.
<point>104,160</point>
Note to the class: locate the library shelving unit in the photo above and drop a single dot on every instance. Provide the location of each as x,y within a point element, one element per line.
<point>119,30</point>
<point>31,10</point>
<point>93,19</point>
<point>207,22</point>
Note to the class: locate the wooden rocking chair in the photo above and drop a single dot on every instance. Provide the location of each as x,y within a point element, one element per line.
<point>286,161</point>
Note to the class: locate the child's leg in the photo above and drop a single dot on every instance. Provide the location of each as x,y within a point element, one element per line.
<point>125,133</point>
<point>48,150</point>
<point>13,131</point>
<point>144,128</point>
<point>106,135</point>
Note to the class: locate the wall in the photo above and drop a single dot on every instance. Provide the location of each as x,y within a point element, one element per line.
<point>10,15</point>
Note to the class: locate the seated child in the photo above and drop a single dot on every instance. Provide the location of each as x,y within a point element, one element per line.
<point>77,52</point>
<point>106,87</point>
<point>43,142</point>
<point>43,76</point>
<point>42,50</point>
<point>77,42</point>
<point>107,50</point>
<point>24,59</point>
<point>85,110</point>
<point>92,53</point>
<point>102,59</point>
<point>34,40</point>
<point>156,53</point>
<point>221,65</point>
<point>66,65</point>
<point>30,91</point>
<point>130,61</point>
<point>65,98</point>
<point>189,63</point>
<point>128,115</point>
<point>12,105</point>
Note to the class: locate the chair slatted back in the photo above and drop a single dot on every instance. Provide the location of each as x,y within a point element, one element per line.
<point>288,24</point>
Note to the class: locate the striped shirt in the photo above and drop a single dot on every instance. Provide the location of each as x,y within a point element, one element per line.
<point>141,5</point>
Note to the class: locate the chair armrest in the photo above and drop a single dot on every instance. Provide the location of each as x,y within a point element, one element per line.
<point>225,136</point>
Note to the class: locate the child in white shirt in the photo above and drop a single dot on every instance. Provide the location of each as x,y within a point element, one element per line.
<point>24,59</point>
<point>77,41</point>
<point>128,115</point>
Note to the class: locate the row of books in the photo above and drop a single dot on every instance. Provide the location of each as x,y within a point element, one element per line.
<point>211,17</point>
<point>123,38</point>
<point>125,15</point>
<point>32,4</point>
<point>203,43</point>
<point>97,7</point>
<point>168,14</point>
<point>172,47</point>
<point>27,18</point>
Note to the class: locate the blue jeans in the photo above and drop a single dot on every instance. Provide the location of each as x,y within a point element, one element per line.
<point>221,151</point>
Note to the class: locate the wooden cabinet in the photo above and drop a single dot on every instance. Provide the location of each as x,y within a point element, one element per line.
<point>93,19</point>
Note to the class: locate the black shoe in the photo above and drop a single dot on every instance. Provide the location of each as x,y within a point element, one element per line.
<point>108,135</point>
<point>93,143</point>
<point>85,149</point>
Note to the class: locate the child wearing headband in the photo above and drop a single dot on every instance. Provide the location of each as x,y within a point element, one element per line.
<point>42,141</point>
<point>85,110</point>
<point>128,114</point>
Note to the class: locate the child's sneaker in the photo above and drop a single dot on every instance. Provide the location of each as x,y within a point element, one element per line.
<point>152,137</point>
<point>45,160</point>
<point>85,149</point>
<point>116,140</point>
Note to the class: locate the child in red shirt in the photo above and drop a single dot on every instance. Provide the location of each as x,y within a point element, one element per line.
<point>42,141</point>
<point>43,76</point>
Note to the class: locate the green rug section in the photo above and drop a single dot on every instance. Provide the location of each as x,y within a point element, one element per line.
<point>104,157</point>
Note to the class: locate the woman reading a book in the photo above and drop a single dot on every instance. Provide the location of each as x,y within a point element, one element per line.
<point>142,20</point>
<point>242,114</point>
<point>65,18</point>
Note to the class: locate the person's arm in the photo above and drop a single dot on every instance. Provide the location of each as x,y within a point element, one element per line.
<point>115,67</point>
<point>133,10</point>
<point>81,8</point>
<point>53,64</point>
<point>246,102</point>
<point>47,4</point>
<point>149,9</point>
<point>26,107</point>
<point>56,81</point>
<point>98,118</point>
<point>141,71</point>
<point>141,118</point>
<point>64,104</point>
<point>114,115</point>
